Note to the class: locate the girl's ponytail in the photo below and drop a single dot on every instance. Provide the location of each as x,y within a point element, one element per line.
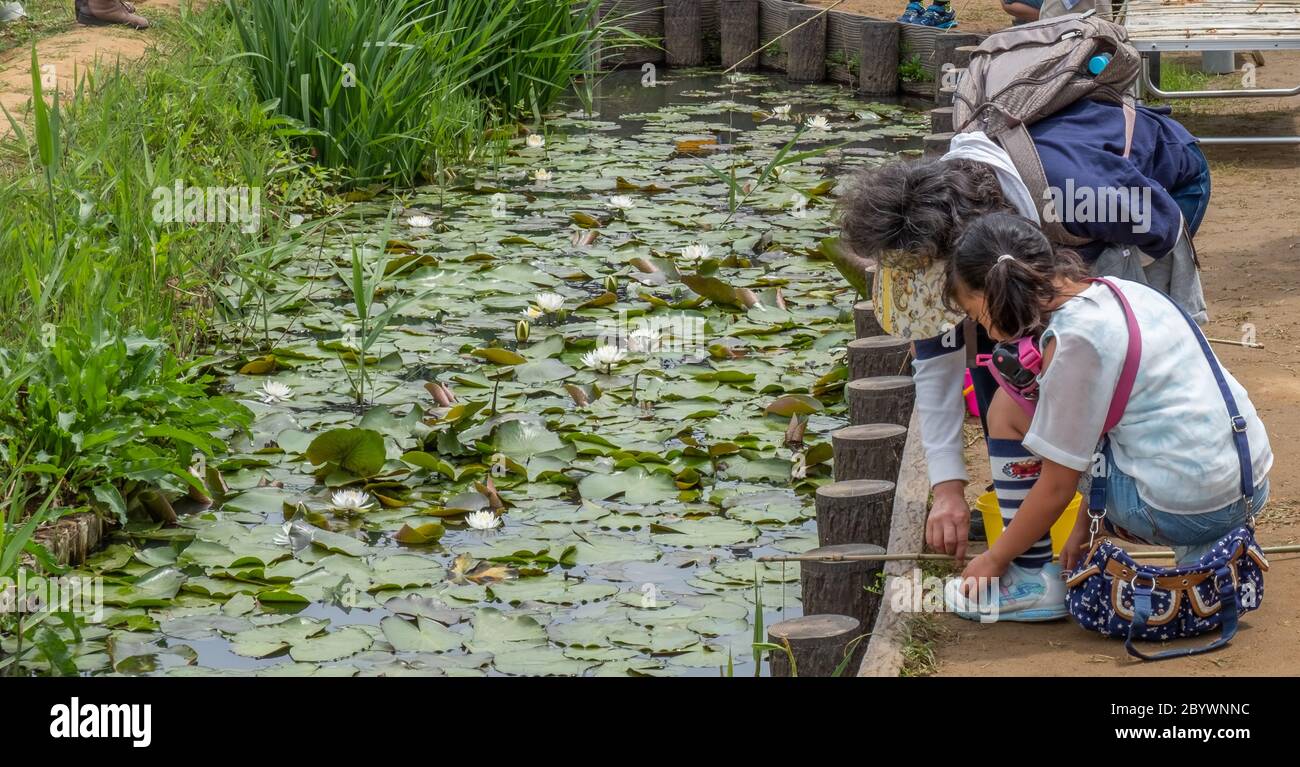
<point>1010,261</point>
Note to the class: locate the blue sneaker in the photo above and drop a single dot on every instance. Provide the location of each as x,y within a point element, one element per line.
<point>1022,595</point>
<point>939,17</point>
<point>913,13</point>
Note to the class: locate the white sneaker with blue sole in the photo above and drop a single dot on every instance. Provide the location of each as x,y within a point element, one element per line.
<point>1023,595</point>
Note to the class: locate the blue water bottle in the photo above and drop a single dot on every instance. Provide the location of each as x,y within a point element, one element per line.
<point>1098,63</point>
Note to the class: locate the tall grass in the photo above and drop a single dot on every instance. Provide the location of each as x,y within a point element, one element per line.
<point>390,89</point>
<point>78,180</point>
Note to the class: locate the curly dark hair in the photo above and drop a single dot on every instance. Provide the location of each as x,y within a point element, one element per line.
<point>919,207</point>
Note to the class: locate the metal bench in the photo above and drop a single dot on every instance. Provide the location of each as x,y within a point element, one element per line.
<point>1166,26</point>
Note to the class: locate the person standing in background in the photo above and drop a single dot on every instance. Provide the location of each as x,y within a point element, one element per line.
<point>98,13</point>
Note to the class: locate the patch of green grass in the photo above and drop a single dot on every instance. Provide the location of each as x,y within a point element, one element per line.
<point>108,300</point>
<point>1180,76</point>
<point>393,91</point>
<point>913,70</point>
<point>86,239</point>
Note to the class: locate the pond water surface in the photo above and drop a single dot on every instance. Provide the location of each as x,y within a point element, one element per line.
<point>636,495</point>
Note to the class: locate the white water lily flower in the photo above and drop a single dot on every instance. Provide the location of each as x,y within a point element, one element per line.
<point>819,122</point>
<point>549,302</point>
<point>351,500</point>
<point>603,357</point>
<point>482,520</point>
<point>644,340</point>
<point>622,202</point>
<point>535,141</point>
<point>419,221</point>
<point>693,253</point>
<point>781,112</point>
<point>533,312</point>
<point>541,175</point>
<point>274,391</point>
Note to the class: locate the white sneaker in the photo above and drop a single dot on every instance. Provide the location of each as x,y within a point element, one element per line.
<point>1022,595</point>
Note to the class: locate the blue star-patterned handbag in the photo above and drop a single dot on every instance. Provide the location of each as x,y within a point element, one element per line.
<point>1113,594</point>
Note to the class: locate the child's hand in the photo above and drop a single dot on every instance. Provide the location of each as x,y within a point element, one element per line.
<point>980,569</point>
<point>1076,546</point>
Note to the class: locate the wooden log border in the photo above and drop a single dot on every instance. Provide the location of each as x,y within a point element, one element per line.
<point>843,42</point>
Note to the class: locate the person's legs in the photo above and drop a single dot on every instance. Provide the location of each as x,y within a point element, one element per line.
<point>1193,199</point>
<point>101,12</point>
<point>1014,470</point>
<point>1191,536</point>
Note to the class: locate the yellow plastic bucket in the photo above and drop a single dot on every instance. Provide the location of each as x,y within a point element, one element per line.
<point>988,508</point>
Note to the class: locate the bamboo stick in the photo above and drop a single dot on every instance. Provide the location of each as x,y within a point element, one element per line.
<point>919,557</point>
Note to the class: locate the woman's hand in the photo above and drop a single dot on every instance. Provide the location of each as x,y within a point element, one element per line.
<point>947,528</point>
<point>979,572</point>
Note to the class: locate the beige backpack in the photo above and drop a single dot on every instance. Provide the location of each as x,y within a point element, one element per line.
<point>1023,74</point>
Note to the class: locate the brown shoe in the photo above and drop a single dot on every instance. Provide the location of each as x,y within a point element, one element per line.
<point>101,12</point>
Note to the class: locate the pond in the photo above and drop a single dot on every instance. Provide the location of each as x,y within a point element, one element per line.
<point>634,493</point>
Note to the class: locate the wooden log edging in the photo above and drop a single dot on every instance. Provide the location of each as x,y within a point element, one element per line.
<point>884,653</point>
<point>73,538</point>
<point>878,57</point>
<point>738,28</point>
<point>854,511</point>
<point>805,44</point>
<point>881,399</point>
<point>683,33</point>
<point>868,451</point>
<point>879,356</point>
<point>818,643</point>
<point>845,587</point>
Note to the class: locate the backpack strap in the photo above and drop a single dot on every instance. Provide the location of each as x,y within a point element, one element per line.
<point>1142,613</point>
<point>1020,146</point>
<point>1130,124</point>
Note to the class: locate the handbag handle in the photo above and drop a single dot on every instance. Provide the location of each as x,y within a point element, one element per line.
<point>1142,612</point>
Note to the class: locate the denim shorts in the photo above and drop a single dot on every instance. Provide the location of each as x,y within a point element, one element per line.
<point>1193,199</point>
<point>1190,535</point>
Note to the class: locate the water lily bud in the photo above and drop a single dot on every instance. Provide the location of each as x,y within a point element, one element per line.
<point>611,283</point>
<point>521,331</point>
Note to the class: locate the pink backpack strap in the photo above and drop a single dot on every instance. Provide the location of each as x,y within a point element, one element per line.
<point>1127,374</point>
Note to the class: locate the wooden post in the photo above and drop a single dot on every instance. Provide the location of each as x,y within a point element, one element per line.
<point>739,31</point>
<point>946,52</point>
<point>854,511</point>
<point>805,44</point>
<point>936,145</point>
<point>868,451</point>
<point>941,120</point>
<point>818,643</point>
<point>878,58</point>
<point>879,356</point>
<point>683,33</point>
<point>841,588</point>
<point>881,399</point>
<point>865,324</point>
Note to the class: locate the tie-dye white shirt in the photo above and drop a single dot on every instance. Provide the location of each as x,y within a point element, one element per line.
<point>1174,439</point>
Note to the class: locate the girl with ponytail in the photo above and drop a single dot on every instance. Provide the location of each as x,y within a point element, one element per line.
<point>1172,466</point>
